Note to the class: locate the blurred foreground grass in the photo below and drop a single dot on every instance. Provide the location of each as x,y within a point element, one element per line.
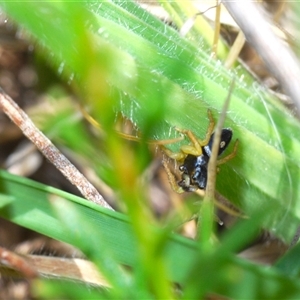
<point>118,59</point>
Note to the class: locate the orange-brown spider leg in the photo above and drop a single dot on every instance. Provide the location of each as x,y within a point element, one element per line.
<point>171,177</point>
<point>195,148</point>
<point>229,156</point>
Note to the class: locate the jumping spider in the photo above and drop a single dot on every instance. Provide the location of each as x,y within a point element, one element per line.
<point>194,158</point>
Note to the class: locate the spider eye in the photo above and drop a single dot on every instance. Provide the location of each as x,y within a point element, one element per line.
<point>181,168</point>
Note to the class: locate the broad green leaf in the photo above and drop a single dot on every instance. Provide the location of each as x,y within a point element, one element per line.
<point>148,70</point>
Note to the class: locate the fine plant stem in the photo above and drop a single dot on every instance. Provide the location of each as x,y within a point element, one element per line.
<point>31,266</point>
<point>235,50</point>
<point>20,118</point>
<point>77,269</point>
<point>212,165</point>
<point>14,261</point>
<point>217,30</point>
<point>206,214</point>
<point>268,45</point>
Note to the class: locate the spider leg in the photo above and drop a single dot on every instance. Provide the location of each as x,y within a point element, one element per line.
<point>210,129</point>
<point>229,156</point>
<point>178,156</point>
<point>195,148</point>
<point>171,177</point>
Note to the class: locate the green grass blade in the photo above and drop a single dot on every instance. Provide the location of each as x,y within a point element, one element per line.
<point>42,209</point>
<point>28,204</point>
<point>290,263</point>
